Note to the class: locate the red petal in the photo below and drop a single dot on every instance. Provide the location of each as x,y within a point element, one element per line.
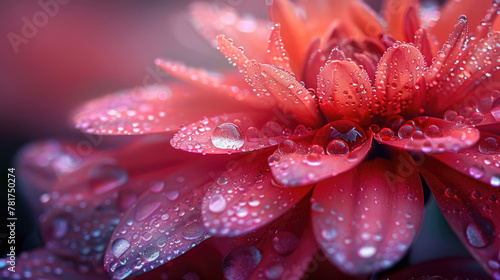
<point>291,95</point>
<point>344,92</point>
<point>235,55</point>
<point>411,24</point>
<point>365,18</point>
<point>162,224</point>
<point>471,208</point>
<point>155,109</point>
<point>394,12</point>
<point>425,45</point>
<point>238,133</point>
<point>282,250</point>
<point>276,53</point>
<point>430,135</point>
<point>245,198</point>
<point>43,264</point>
<point>83,207</point>
<point>400,85</point>
<point>481,161</point>
<point>315,59</point>
<point>211,20</point>
<point>452,268</point>
<point>366,219</point>
<point>193,265</point>
<point>294,32</point>
<point>474,10</point>
<point>307,166</point>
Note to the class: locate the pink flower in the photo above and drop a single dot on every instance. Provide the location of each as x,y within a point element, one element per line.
<point>319,139</point>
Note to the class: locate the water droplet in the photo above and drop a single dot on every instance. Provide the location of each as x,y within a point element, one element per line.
<point>405,131</point>
<point>337,147</point>
<point>495,180</point>
<point>228,136</point>
<point>146,209</point>
<point>449,192</point>
<point>476,171</point>
<point>367,251</point>
<point>394,122</point>
<point>489,146</point>
<point>450,115</point>
<point>271,130</point>
<point>151,254</point>
<point>329,233</point>
<point>318,207</point>
<point>217,203</point>
<point>106,176</point>
<point>60,225</point>
<point>476,194</point>
<point>386,134</point>
<point>193,231</point>
<point>433,131</point>
<point>285,242</point>
<point>347,131</point>
<point>274,271</point>
<point>156,186</point>
<point>481,233</point>
<point>119,246</point>
<point>240,262</point>
<point>172,195</point>
<point>495,109</point>
<point>287,147</point>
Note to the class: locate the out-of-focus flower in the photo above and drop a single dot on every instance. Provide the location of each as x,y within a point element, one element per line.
<point>294,129</point>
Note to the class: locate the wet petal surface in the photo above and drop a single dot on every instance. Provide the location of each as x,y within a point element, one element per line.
<point>471,208</point>
<point>245,197</point>
<point>430,135</point>
<point>352,221</point>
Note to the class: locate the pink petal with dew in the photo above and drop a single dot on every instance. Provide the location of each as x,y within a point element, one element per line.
<point>153,109</point>
<point>235,133</point>
<point>162,224</point>
<point>430,135</point>
<point>305,164</point>
<point>291,95</point>
<point>43,264</point>
<point>245,198</point>
<point>471,208</point>
<point>481,161</point>
<point>276,52</point>
<point>210,20</point>
<point>281,250</point>
<point>352,222</point>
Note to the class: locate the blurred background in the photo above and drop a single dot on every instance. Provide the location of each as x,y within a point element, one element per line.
<point>54,57</point>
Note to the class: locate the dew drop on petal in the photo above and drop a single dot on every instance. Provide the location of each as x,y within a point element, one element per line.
<point>329,233</point>
<point>489,146</point>
<point>151,254</point>
<point>495,180</point>
<point>106,176</point>
<point>337,147</point>
<point>367,251</point>
<point>274,271</point>
<point>217,203</point>
<point>228,136</point>
<point>119,246</point>
<point>480,233</point>
<point>433,131</point>
<point>287,147</point>
<point>239,263</point>
<point>495,109</point>
<point>193,231</point>
<point>476,171</point>
<point>405,131</point>
<point>285,242</point>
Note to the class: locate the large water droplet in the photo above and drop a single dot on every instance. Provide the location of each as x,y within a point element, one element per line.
<point>489,146</point>
<point>106,176</point>
<point>337,147</point>
<point>217,203</point>
<point>151,254</point>
<point>119,247</point>
<point>346,131</point>
<point>240,262</point>
<point>285,242</point>
<point>228,136</point>
<point>193,231</point>
<point>480,233</point>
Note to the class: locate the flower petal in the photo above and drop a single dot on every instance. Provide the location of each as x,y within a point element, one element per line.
<point>282,250</point>
<point>481,161</point>
<point>344,91</point>
<point>83,207</point>
<point>400,84</point>
<point>211,20</point>
<point>470,207</point>
<point>352,222</point>
<point>276,53</point>
<point>307,166</point>
<point>266,79</point>
<point>430,135</point>
<point>394,12</point>
<point>245,198</point>
<point>162,224</point>
<point>43,264</point>
<point>242,132</point>
<point>450,268</point>
<point>452,10</point>
<point>235,55</point>
<point>157,108</point>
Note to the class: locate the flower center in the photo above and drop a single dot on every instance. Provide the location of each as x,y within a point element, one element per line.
<point>340,137</point>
